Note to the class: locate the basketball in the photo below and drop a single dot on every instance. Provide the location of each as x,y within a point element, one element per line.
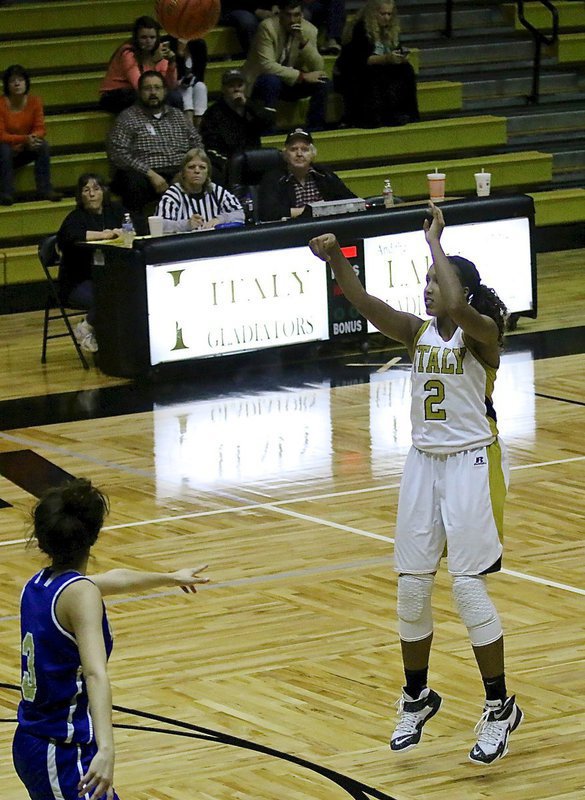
<point>187,19</point>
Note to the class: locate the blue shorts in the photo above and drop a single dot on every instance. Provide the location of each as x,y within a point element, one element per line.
<point>51,770</point>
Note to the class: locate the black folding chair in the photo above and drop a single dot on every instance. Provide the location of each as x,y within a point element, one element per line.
<point>246,169</point>
<point>55,309</point>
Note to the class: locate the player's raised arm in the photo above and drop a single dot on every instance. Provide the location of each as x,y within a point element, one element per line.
<point>395,324</point>
<point>480,327</point>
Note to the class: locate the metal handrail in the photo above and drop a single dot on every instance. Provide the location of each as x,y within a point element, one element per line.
<point>448,30</point>
<point>539,38</point>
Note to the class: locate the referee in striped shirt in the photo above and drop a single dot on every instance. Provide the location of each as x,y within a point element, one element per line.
<point>193,202</point>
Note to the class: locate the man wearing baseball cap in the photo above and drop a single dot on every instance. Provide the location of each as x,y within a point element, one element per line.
<point>233,123</point>
<point>286,191</point>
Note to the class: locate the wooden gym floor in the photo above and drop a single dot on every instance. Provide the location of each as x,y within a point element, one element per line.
<point>277,680</point>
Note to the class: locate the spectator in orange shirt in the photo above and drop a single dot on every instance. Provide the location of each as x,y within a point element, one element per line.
<point>142,53</point>
<point>22,136</point>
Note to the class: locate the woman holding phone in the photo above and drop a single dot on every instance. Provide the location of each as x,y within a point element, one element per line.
<point>373,73</point>
<point>143,52</point>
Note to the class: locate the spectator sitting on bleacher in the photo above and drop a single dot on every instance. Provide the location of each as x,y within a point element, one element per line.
<point>285,64</point>
<point>233,123</point>
<point>245,16</point>
<point>94,219</point>
<point>147,145</point>
<point>328,15</point>
<point>191,57</point>
<point>373,74</point>
<point>144,52</point>
<point>285,192</point>
<point>22,136</point>
<point>193,202</point>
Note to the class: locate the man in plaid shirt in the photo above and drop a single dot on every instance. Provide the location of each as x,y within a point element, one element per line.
<point>147,145</point>
<point>288,190</point>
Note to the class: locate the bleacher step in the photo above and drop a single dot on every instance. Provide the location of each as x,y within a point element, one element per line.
<point>547,122</point>
<point>509,171</point>
<point>484,90</point>
<point>557,207</point>
<point>487,53</point>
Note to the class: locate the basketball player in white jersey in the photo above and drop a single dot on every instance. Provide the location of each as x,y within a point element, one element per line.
<point>454,482</point>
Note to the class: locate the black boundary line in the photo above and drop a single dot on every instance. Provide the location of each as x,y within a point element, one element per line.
<point>354,788</point>
<point>560,399</point>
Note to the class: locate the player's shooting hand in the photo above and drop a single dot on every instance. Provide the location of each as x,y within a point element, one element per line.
<point>324,246</point>
<point>434,228</point>
<point>189,577</point>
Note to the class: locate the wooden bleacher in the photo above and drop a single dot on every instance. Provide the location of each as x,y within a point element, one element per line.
<point>66,46</point>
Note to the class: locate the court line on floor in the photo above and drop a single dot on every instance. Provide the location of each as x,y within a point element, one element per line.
<point>512,573</point>
<point>305,572</point>
<point>319,521</point>
<point>288,501</point>
<point>151,473</point>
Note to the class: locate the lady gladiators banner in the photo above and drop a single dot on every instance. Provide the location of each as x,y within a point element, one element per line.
<point>270,298</point>
<point>230,304</point>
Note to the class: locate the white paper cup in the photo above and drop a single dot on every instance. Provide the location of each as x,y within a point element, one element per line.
<point>436,185</point>
<point>155,225</point>
<point>483,181</point>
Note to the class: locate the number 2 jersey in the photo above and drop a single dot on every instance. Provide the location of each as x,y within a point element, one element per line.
<point>54,702</point>
<point>451,408</point>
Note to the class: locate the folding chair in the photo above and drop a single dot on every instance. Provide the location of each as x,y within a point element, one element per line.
<point>54,307</point>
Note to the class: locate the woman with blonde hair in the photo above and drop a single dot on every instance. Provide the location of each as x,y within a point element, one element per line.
<point>373,74</point>
<point>194,202</point>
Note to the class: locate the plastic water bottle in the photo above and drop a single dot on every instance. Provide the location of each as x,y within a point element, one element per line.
<point>388,194</point>
<point>248,205</point>
<point>128,232</point>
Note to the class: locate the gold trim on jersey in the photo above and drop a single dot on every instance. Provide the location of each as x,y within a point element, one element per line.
<point>497,485</point>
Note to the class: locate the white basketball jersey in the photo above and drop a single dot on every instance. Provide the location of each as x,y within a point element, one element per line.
<point>452,388</point>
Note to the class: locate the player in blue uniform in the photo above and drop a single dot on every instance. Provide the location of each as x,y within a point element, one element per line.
<point>63,746</point>
<point>454,480</point>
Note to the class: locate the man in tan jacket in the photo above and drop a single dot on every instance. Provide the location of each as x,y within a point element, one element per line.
<point>284,63</point>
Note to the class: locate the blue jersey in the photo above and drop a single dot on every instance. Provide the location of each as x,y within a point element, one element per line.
<point>54,702</point>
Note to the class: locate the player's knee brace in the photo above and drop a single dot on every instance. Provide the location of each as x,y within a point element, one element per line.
<point>415,616</point>
<point>476,609</point>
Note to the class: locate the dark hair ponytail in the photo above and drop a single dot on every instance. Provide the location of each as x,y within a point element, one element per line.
<point>486,301</point>
<point>67,520</point>
<point>481,297</point>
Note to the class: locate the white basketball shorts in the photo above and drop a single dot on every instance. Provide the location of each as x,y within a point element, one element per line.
<point>454,504</point>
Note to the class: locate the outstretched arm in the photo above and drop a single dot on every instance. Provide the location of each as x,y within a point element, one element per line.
<point>395,324</point>
<point>118,581</point>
